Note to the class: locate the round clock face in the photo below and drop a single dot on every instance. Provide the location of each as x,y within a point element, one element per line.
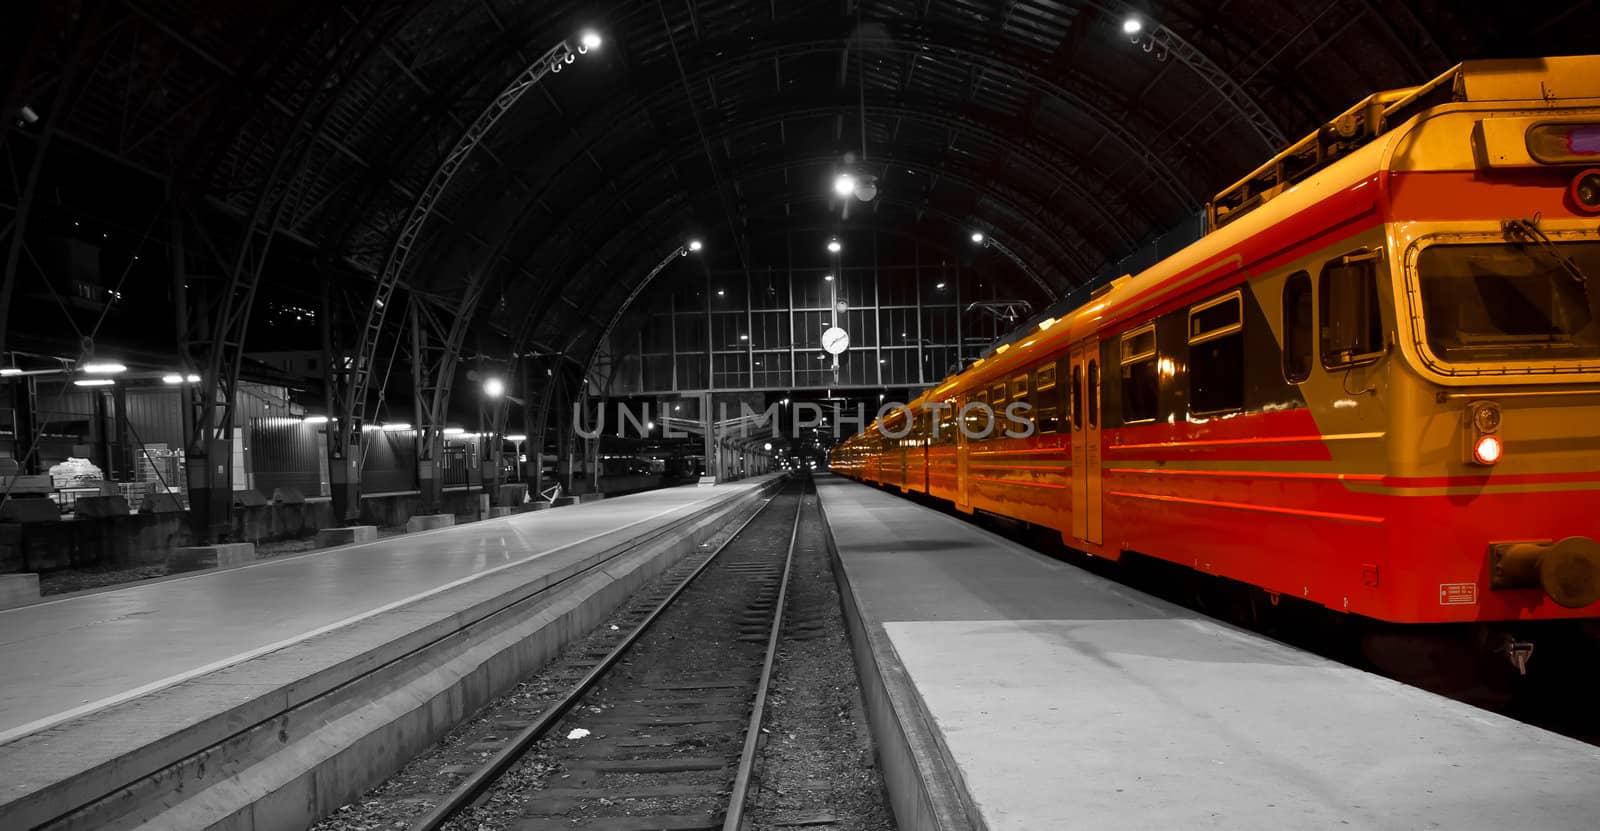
<point>835,340</point>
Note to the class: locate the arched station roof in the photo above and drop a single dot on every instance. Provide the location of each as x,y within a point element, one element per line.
<point>312,130</point>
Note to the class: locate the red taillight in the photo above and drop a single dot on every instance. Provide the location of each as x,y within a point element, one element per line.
<point>1487,450</point>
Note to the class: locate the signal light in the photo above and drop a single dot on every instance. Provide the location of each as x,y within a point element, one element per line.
<point>1487,450</point>
<point>1484,445</point>
<point>1585,191</point>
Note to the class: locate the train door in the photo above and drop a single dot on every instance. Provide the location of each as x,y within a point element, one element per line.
<point>1083,414</point>
<point>963,495</point>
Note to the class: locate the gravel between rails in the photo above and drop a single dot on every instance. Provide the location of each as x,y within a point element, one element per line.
<point>817,768</point>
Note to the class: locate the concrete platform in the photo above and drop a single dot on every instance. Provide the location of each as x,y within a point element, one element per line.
<point>1013,691</point>
<point>286,685</point>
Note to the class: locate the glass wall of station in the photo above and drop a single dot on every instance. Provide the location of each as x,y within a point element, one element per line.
<point>908,310</point>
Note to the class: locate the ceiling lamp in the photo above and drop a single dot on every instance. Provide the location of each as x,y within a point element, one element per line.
<point>1132,26</point>
<point>695,245</point>
<point>104,368</point>
<point>863,186</point>
<point>94,382</point>
<point>844,185</point>
<point>833,245</point>
<point>977,237</point>
<point>590,39</point>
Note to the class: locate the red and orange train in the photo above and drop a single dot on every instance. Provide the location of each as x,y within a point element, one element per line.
<point>1373,384</point>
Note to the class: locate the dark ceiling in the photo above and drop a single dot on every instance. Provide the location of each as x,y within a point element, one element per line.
<point>303,132</point>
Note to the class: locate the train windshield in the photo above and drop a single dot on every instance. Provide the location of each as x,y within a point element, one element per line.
<point>1512,301</point>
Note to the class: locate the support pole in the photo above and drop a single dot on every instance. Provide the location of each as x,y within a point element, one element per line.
<point>344,454</point>
<point>428,425</point>
<point>710,421</point>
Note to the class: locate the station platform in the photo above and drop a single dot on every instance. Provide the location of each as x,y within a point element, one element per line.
<point>96,684</point>
<point>1009,690</point>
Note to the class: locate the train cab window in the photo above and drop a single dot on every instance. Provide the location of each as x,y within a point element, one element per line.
<point>1297,327</point>
<point>1140,378</point>
<point>1092,392</point>
<point>1046,401</point>
<point>1216,355</point>
<point>1077,396</point>
<point>1352,328</point>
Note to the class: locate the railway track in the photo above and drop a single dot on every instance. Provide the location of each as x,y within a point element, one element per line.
<point>659,724</point>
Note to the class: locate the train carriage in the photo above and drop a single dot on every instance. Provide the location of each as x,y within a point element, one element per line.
<point>1374,384</point>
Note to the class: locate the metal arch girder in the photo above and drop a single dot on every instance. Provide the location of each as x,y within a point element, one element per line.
<point>1230,90</point>
<point>422,208</point>
<point>231,315</point>
<point>633,294</point>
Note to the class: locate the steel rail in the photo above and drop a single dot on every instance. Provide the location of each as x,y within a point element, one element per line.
<point>479,781</point>
<point>734,819</point>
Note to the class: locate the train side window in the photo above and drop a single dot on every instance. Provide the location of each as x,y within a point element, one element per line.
<point>1019,388</point>
<point>1046,400</point>
<point>1216,355</point>
<point>997,396</point>
<point>1077,396</point>
<point>947,422</point>
<point>1297,327</point>
<point>1352,327</point>
<point>1140,380</point>
<point>1093,392</point>
<point>976,416</point>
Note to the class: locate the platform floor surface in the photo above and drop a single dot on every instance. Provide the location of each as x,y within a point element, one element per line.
<point>1067,701</point>
<point>78,654</point>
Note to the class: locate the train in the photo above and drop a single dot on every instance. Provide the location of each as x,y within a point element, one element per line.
<point>1372,384</point>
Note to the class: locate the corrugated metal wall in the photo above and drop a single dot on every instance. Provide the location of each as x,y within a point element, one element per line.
<point>156,417</point>
<point>284,453</point>
<point>391,461</point>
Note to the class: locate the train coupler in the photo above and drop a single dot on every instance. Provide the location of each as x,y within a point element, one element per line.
<point>1518,653</point>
